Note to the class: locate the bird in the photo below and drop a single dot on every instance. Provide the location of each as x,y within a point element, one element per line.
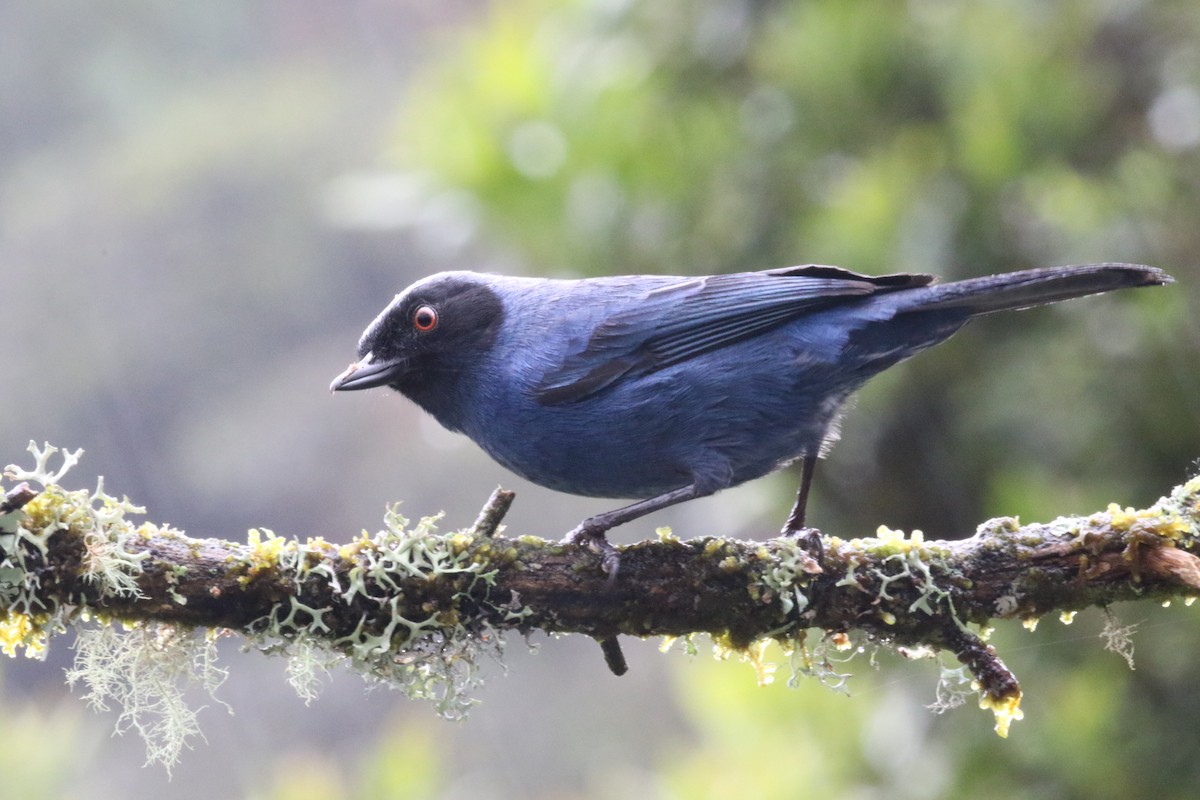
<point>663,389</point>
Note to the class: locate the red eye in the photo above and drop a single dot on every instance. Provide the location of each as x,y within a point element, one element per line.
<point>425,318</point>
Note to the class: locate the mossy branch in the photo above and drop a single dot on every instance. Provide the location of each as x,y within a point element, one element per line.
<point>414,607</point>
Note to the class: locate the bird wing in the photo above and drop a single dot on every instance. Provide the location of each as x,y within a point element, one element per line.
<point>683,320</point>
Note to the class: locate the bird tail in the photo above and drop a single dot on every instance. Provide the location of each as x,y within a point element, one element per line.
<point>1014,290</point>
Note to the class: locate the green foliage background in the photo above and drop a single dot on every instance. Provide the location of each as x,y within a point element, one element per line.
<point>200,208</point>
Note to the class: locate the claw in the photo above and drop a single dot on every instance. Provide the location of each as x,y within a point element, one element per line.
<point>810,539</point>
<point>597,542</point>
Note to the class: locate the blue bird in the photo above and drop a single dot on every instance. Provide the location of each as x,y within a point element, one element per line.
<point>666,389</point>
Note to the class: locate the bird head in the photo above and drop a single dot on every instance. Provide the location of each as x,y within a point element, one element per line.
<point>430,335</point>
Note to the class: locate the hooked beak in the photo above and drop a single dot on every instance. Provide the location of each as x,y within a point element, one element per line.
<point>367,373</point>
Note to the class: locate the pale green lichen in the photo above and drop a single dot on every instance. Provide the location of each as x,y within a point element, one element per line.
<point>909,564</point>
<point>146,669</point>
<point>822,660</point>
<point>28,619</point>
<point>431,657</point>
<point>893,565</point>
<point>41,472</point>
<point>954,686</point>
<point>146,672</point>
<point>786,569</point>
<point>100,519</point>
<point>308,667</point>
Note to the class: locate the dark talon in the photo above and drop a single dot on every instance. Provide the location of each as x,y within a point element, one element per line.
<point>610,558</point>
<point>810,539</point>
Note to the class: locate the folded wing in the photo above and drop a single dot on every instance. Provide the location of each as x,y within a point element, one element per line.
<point>695,316</point>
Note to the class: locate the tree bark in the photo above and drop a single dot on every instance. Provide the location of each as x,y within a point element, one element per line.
<point>67,552</point>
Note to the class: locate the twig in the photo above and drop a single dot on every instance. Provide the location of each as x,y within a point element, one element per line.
<point>17,497</point>
<point>613,657</point>
<point>488,522</point>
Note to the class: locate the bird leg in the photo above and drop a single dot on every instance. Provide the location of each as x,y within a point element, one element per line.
<point>795,520</point>
<point>795,526</point>
<point>591,531</point>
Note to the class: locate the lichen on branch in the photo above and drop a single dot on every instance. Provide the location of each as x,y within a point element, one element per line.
<point>420,610</point>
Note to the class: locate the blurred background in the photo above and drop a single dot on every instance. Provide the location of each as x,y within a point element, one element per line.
<point>203,205</point>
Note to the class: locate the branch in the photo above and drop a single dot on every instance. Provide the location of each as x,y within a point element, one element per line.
<point>417,608</point>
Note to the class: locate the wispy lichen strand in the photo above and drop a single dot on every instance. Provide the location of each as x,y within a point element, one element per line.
<point>146,672</point>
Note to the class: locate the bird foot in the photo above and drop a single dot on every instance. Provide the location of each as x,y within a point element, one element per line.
<point>810,539</point>
<point>597,542</point>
